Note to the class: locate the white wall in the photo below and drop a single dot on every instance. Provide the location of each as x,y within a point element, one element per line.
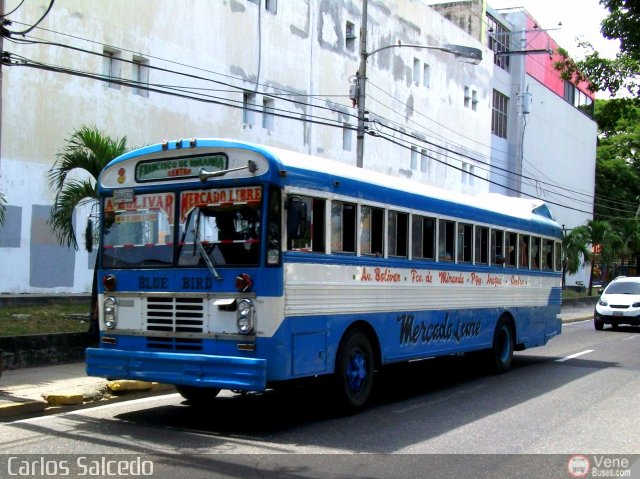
<point>298,54</point>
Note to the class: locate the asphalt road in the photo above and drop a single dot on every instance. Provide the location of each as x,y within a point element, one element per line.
<point>580,394</point>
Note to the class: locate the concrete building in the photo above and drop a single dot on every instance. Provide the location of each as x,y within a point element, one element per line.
<point>271,72</point>
<point>543,142</point>
<point>278,73</point>
<point>547,148</point>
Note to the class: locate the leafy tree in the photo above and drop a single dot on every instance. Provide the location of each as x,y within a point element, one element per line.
<point>86,153</point>
<point>614,75</point>
<point>575,251</point>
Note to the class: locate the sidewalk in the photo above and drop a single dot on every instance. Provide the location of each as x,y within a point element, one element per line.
<point>48,389</point>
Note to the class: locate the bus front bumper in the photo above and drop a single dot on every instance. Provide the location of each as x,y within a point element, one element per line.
<point>224,372</point>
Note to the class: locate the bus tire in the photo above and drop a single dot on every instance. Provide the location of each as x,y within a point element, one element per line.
<point>501,353</point>
<point>354,371</point>
<point>198,396</point>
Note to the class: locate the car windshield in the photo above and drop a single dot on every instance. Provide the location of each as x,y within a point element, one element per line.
<point>623,287</point>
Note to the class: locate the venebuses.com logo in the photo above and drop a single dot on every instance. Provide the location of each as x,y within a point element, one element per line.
<point>578,466</point>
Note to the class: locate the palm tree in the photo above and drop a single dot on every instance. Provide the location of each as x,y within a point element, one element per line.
<point>85,154</point>
<point>3,209</point>
<point>575,251</point>
<point>629,232</point>
<point>601,233</point>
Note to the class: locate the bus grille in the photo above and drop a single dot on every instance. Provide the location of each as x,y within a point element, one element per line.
<point>175,315</point>
<point>174,344</point>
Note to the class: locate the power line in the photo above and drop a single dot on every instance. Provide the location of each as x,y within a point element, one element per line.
<point>180,91</point>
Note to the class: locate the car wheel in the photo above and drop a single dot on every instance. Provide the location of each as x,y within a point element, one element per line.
<point>598,324</point>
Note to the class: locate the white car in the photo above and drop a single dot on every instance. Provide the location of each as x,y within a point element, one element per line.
<point>618,304</point>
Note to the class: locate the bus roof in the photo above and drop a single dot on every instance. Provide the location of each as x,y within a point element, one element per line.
<point>312,168</point>
<point>524,208</point>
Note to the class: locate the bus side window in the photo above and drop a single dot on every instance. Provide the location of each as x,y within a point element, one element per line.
<point>398,233</point>
<point>313,238</point>
<point>465,243</point>
<point>343,227</point>
<point>497,247</point>
<point>535,253</point>
<point>482,245</point>
<point>558,256</point>
<point>423,237</point>
<point>318,226</point>
<point>511,248</point>
<point>523,251</point>
<point>274,231</point>
<point>547,254</point>
<point>372,233</point>
<point>446,240</point>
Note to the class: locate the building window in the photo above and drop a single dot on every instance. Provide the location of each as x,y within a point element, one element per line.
<point>500,111</point>
<point>347,137</point>
<point>248,105</point>
<point>498,41</point>
<point>416,71</point>
<point>414,158</point>
<point>424,161</point>
<point>140,76</point>
<point>112,67</point>
<point>578,99</point>
<point>267,113</point>
<point>350,36</point>
<point>426,75</point>
<point>271,5</point>
<point>470,98</point>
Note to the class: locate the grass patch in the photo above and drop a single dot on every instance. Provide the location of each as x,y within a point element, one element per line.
<point>44,319</point>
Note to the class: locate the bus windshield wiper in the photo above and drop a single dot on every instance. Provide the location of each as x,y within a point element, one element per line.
<point>203,253</point>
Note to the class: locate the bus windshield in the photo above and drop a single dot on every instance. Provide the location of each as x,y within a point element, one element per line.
<point>228,235</point>
<point>138,233</point>
<point>221,224</point>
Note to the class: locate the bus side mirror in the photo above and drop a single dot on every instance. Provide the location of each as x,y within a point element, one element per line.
<point>88,236</point>
<point>296,218</point>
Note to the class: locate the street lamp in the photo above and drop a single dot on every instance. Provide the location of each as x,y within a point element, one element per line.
<point>462,53</point>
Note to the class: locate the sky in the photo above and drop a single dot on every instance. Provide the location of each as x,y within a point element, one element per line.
<point>580,18</point>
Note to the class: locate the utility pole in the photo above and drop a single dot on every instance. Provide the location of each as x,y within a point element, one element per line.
<point>361,80</point>
<point>462,53</point>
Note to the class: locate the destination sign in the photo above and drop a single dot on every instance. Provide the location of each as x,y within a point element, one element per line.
<point>185,167</point>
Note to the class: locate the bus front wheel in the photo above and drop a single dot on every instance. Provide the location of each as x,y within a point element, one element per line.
<point>354,371</point>
<point>501,354</point>
<point>196,395</point>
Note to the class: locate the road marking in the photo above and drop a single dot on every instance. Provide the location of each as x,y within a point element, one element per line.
<point>628,338</point>
<point>88,409</point>
<point>575,355</point>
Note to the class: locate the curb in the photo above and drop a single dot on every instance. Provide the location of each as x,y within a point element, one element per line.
<point>112,391</point>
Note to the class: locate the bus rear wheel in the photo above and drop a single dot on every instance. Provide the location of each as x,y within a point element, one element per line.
<point>354,371</point>
<point>196,395</point>
<point>501,354</point>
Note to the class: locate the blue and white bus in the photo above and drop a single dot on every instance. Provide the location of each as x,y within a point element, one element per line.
<point>230,265</point>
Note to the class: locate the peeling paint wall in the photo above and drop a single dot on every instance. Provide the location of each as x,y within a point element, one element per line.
<point>298,57</point>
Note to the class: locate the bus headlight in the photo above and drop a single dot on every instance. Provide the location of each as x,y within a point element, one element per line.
<point>245,314</point>
<point>110,312</point>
